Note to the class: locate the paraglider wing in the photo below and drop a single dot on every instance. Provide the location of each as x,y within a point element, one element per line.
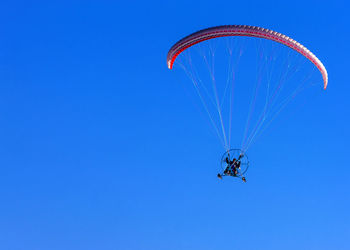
<point>243,30</point>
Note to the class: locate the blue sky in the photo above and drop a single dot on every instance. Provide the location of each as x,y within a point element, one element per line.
<point>101,148</point>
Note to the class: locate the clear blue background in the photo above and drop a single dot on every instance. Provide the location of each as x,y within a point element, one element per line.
<point>101,149</point>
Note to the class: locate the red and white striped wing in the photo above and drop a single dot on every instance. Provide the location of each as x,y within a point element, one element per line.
<point>243,30</point>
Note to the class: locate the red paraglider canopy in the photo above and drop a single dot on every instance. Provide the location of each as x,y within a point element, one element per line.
<point>243,30</point>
